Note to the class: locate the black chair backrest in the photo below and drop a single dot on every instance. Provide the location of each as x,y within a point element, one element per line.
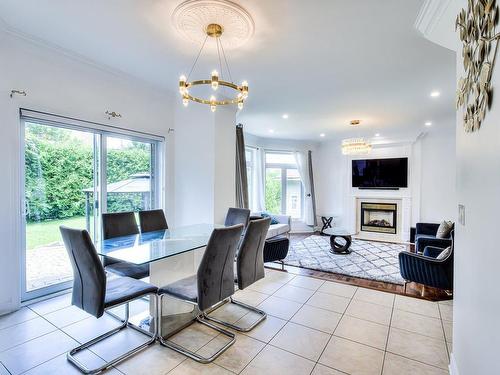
<point>216,271</point>
<point>237,216</point>
<point>152,220</point>
<point>118,224</point>
<point>250,258</point>
<point>89,277</point>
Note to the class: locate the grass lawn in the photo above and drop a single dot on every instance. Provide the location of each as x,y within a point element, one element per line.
<point>47,232</point>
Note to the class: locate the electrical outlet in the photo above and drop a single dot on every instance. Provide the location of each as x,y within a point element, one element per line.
<point>461,214</point>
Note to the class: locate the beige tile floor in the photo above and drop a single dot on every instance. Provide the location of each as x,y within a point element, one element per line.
<point>313,327</point>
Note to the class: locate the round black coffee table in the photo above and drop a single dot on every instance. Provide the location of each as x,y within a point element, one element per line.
<point>340,240</point>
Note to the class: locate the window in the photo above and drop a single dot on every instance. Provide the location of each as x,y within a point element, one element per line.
<point>71,175</point>
<point>250,156</point>
<point>283,188</point>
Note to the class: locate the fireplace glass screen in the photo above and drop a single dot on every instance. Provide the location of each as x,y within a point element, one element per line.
<point>378,217</point>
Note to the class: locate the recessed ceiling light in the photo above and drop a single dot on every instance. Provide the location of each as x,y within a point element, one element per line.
<point>435,94</point>
<point>285,116</point>
<point>377,134</point>
<point>322,135</point>
<point>271,130</point>
<point>428,123</point>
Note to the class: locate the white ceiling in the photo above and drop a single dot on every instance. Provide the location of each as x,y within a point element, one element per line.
<point>324,62</point>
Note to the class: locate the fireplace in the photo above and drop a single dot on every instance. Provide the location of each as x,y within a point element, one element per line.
<point>379,217</point>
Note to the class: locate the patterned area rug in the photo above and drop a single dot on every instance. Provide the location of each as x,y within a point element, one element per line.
<point>368,259</point>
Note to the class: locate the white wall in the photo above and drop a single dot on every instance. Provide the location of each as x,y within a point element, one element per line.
<point>279,144</point>
<point>431,183</point>
<point>204,163</point>
<point>476,308</point>
<point>438,177</point>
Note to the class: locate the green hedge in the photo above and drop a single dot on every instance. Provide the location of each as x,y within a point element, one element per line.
<point>59,167</point>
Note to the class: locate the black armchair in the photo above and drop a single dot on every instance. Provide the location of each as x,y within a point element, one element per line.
<point>426,269</point>
<point>425,235</point>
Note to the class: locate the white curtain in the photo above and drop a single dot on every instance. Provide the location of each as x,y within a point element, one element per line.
<point>260,180</point>
<point>303,168</point>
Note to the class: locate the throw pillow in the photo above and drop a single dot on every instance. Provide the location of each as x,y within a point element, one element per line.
<point>273,219</point>
<point>444,229</point>
<point>444,254</point>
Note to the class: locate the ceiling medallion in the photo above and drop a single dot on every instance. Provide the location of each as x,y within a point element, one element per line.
<point>214,31</point>
<point>356,146</point>
<point>476,27</point>
<point>192,17</point>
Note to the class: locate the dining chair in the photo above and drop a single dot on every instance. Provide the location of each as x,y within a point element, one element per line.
<point>237,216</point>
<point>95,293</point>
<point>152,220</point>
<point>116,225</point>
<point>249,268</point>
<point>213,283</point>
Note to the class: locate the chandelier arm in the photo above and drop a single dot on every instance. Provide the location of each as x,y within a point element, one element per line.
<point>208,82</point>
<point>197,57</point>
<point>225,60</point>
<point>216,102</point>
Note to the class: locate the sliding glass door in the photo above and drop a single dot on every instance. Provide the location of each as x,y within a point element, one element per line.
<point>71,175</point>
<point>128,175</point>
<point>59,184</point>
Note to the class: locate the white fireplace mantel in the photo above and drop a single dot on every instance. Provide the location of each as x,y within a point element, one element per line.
<point>403,218</point>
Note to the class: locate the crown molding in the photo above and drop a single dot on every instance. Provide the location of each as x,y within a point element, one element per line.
<point>430,15</point>
<point>436,22</point>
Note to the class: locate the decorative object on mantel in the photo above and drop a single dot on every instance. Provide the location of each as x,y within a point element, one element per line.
<point>214,17</point>
<point>17,92</point>
<point>356,146</point>
<point>476,27</point>
<point>113,114</point>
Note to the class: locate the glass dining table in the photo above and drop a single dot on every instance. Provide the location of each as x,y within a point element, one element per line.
<point>172,254</point>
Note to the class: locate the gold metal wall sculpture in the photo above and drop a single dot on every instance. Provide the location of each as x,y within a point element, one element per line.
<point>476,27</point>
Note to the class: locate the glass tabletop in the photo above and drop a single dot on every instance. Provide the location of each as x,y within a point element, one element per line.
<point>152,246</point>
<point>338,232</point>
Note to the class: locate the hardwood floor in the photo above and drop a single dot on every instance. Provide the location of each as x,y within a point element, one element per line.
<point>412,289</point>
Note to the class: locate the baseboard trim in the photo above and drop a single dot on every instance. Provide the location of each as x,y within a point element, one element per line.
<point>453,365</point>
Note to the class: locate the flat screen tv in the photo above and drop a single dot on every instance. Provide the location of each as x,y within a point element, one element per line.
<point>380,173</point>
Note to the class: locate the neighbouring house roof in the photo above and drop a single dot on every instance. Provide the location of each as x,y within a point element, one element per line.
<point>137,183</point>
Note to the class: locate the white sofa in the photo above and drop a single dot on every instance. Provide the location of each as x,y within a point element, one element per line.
<point>283,227</point>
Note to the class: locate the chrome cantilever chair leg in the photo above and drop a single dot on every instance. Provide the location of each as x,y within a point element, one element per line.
<point>262,314</point>
<point>125,323</point>
<point>201,318</point>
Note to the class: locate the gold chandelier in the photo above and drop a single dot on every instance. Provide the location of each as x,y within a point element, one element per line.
<point>356,146</point>
<point>214,31</point>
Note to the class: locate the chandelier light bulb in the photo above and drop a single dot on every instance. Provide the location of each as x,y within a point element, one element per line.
<point>213,106</point>
<point>240,105</point>
<point>185,101</point>
<point>182,85</point>
<point>244,89</point>
<point>215,79</point>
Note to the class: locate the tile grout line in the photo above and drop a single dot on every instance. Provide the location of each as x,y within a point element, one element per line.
<point>388,334</point>
<point>444,333</point>
<point>333,333</point>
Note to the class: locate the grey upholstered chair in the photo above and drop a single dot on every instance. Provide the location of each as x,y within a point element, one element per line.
<point>213,283</point>
<point>116,225</point>
<point>95,293</point>
<point>237,216</point>
<point>249,267</point>
<point>152,220</point>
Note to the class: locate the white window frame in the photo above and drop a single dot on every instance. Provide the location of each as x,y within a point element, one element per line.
<point>100,132</point>
<point>283,167</point>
